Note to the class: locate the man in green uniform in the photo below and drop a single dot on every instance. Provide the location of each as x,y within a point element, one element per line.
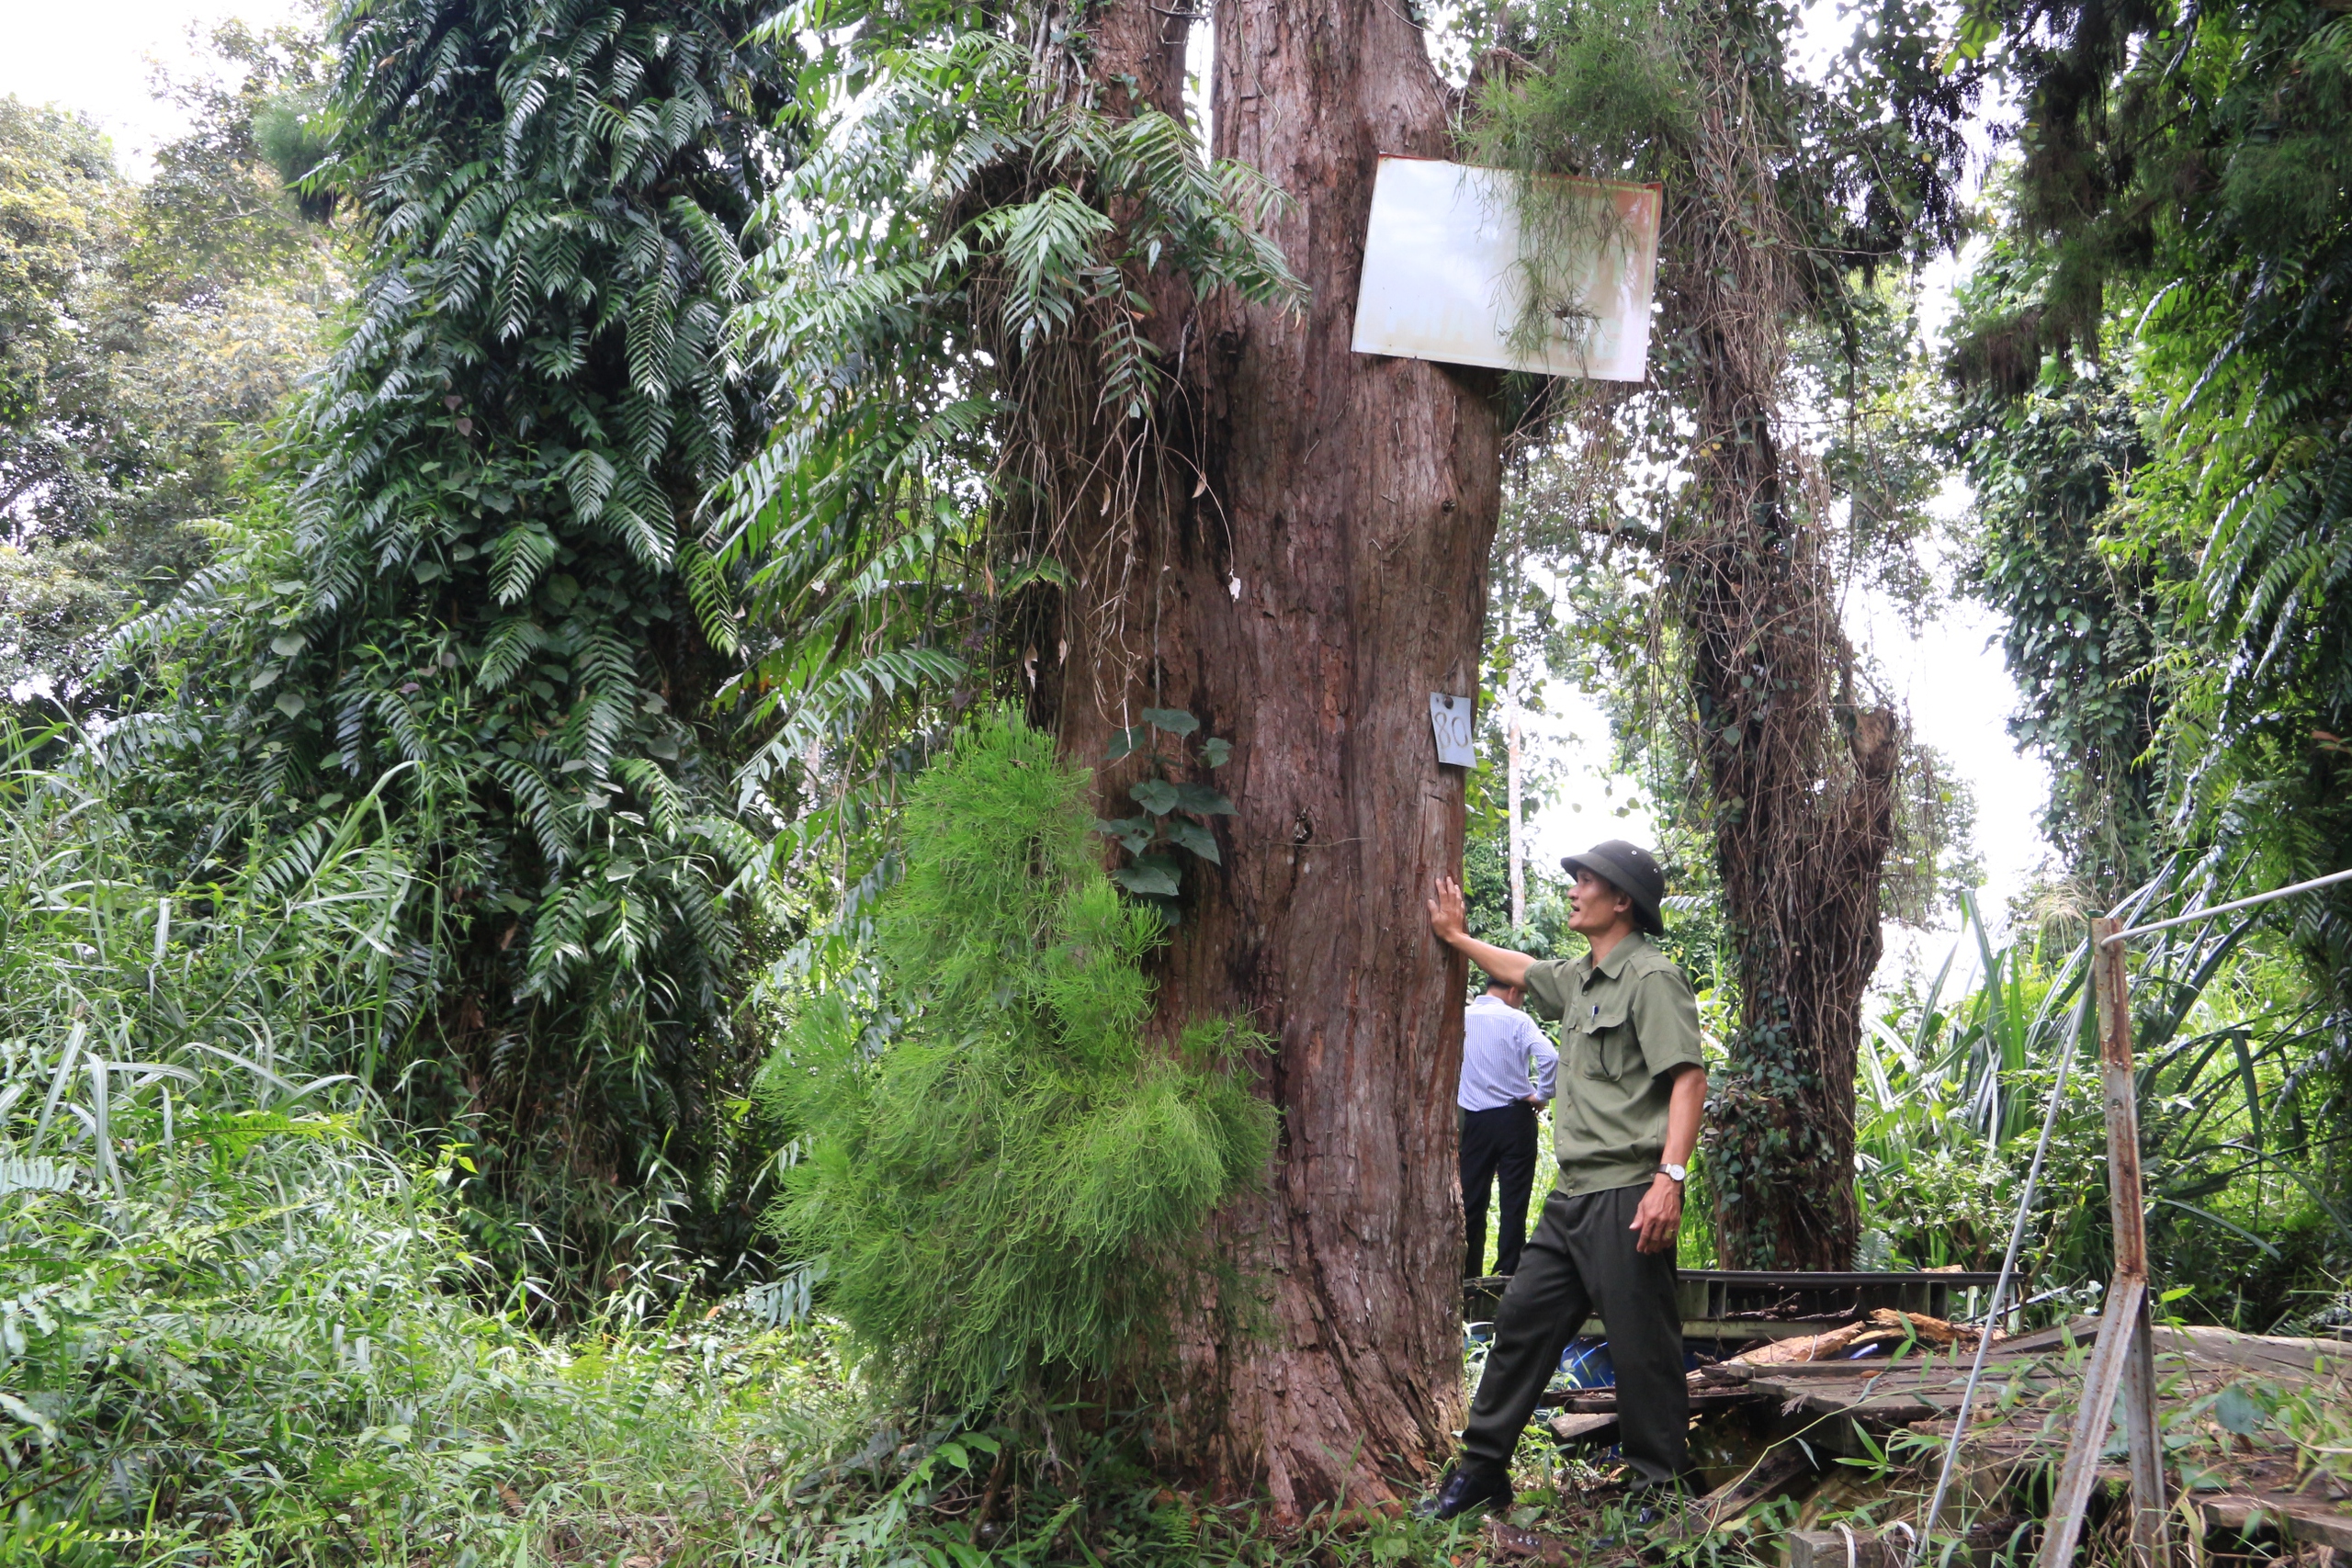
<point>1631,1088</point>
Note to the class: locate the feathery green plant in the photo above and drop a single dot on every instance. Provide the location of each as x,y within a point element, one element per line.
<point>1005,1171</point>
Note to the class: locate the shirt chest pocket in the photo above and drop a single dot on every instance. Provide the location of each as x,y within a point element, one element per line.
<point>1604,1043</point>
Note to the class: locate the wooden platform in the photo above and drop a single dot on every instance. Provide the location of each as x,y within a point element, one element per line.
<point>1731,1307</point>
<point>2025,1409</point>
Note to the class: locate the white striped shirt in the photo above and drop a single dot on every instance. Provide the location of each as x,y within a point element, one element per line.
<point>1498,1042</point>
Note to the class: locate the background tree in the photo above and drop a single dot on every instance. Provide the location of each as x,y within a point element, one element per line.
<point>2181,190</point>
<point>1781,195</point>
<point>150,359</point>
<point>2049,447</point>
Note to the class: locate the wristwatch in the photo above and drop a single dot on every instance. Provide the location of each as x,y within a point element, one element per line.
<point>1678,1174</point>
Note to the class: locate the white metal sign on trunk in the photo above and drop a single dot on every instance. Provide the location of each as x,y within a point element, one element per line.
<point>1450,264</point>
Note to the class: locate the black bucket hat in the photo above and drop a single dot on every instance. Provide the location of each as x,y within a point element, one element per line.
<point>1630,869</point>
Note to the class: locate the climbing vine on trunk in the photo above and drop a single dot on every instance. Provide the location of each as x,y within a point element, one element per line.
<point>482,595</point>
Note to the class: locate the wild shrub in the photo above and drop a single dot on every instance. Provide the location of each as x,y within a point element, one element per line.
<point>1006,1169</point>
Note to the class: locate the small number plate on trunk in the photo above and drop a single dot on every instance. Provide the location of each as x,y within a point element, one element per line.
<point>1450,721</point>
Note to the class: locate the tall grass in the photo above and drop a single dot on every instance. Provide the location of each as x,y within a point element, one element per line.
<point>2238,1117</point>
<point>233,1328</point>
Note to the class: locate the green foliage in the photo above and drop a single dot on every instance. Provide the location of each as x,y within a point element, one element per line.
<point>482,591</point>
<point>1175,814</point>
<point>2049,447</point>
<point>232,1328</point>
<point>191,1206</point>
<point>58,199</point>
<point>2242,1170</point>
<point>1005,1172</point>
<point>223,209</point>
<point>2183,186</point>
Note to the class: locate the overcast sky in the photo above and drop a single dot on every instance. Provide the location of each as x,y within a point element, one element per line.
<point>98,56</point>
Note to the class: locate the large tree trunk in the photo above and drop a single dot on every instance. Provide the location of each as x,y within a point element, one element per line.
<point>1308,565</point>
<point>1802,776</point>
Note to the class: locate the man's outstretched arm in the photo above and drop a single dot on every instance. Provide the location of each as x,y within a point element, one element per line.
<point>1449,919</point>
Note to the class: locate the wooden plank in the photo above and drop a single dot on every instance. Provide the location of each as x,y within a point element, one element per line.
<point>1869,1548</point>
<point>1751,1280</point>
<point>1853,1391</point>
<point>1775,1471</point>
<point>2301,1519</point>
<point>1843,1548</point>
<point>1733,1331</point>
<point>2127,1216</point>
<point>1829,1371</point>
<point>2041,1341</point>
<point>2101,1380</point>
<point>1605,1399</point>
<point>2266,1353</point>
<point>1591,1428</point>
<point>1887,1409</point>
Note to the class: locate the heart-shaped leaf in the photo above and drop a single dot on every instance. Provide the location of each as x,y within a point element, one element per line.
<point>1156,796</point>
<point>1148,877</point>
<point>1176,721</point>
<point>1216,752</point>
<point>1196,838</point>
<point>2237,1410</point>
<point>1136,833</point>
<point>1202,800</point>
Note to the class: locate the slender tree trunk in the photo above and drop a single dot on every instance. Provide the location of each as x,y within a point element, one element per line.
<point>1518,863</point>
<point>1801,775</point>
<point>1310,565</point>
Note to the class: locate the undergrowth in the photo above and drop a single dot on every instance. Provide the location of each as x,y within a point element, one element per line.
<point>233,1330</point>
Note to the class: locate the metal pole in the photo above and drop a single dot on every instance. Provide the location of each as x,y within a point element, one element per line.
<point>2125,1357</point>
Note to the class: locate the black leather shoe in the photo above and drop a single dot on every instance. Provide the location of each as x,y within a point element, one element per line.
<point>1463,1489</point>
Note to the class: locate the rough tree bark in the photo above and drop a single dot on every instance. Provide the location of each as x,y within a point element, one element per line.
<point>1801,774</point>
<point>1309,563</point>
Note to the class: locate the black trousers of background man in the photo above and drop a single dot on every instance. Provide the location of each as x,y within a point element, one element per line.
<point>1502,1143</point>
<point>1583,1261</point>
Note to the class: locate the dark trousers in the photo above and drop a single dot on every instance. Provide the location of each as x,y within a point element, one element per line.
<point>1582,1258</point>
<point>1502,1143</point>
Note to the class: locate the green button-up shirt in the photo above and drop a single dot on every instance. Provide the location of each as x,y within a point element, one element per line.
<point>1627,1025</point>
